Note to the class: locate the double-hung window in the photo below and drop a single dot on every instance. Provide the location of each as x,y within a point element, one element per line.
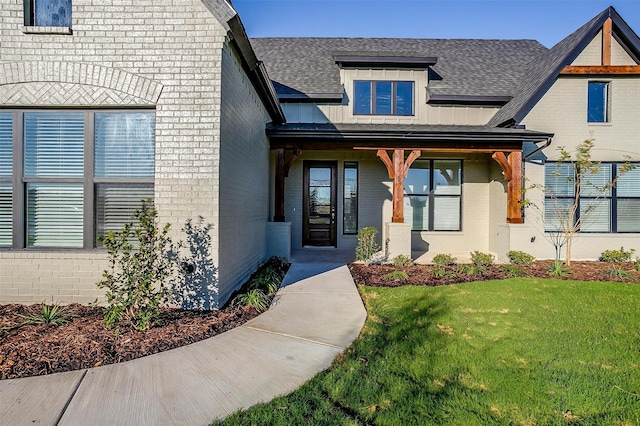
<point>598,102</point>
<point>601,207</point>
<point>433,192</point>
<point>47,13</point>
<point>383,97</point>
<point>78,175</point>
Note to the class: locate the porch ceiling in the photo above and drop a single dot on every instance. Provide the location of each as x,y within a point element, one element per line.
<point>308,136</point>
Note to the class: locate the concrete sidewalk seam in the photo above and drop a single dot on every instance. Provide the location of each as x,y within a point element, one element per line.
<point>73,394</point>
<point>293,337</point>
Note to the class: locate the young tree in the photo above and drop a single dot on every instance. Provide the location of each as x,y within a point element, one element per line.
<point>576,175</point>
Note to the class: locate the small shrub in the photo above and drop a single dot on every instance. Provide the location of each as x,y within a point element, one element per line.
<point>617,255</point>
<point>54,314</point>
<point>470,270</point>
<point>558,269</point>
<point>517,257</point>
<point>514,270</point>
<point>482,259</point>
<point>254,298</point>
<point>440,272</point>
<point>141,267</point>
<point>618,272</point>
<point>269,276</point>
<point>367,245</point>
<point>443,259</point>
<point>397,275</point>
<point>402,260</point>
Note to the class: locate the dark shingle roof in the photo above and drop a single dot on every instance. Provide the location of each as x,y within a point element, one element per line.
<point>543,72</point>
<point>306,66</point>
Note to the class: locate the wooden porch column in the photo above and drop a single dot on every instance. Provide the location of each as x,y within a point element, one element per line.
<point>282,171</point>
<point>512,171</point>
<point>398,169</point>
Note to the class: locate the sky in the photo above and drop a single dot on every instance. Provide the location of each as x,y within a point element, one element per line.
<point>547,21</point>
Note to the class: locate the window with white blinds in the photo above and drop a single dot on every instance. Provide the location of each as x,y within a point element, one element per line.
<point>53,145</point>
<point>54,215</point>
<point>433,195</point>
<point>628,198</point>
<point>6,173</point>
<point>124,145</point>
<point>601,208</point>
<point>81,174</point>
<point>6,208</point>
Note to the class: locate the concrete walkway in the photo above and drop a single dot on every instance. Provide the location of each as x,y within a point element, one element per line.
<point>315,316</point>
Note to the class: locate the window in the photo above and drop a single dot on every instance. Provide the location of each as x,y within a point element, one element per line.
<point>350,204</point>
<point>81,174</point>
<point>600,209</point>
<point>433,191</point>
<point>598,102</point>
<point>6,173</point>
<point>383,97</point>
<point>47,13</point>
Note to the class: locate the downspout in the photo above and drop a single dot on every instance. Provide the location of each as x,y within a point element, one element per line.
<point>540,148</point>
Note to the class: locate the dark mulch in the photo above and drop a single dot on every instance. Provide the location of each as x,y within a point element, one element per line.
<point>84,342</point>
<point>376,275</point>
<point>33,350</point>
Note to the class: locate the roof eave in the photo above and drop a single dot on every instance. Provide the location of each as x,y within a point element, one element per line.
<point>256,71</point>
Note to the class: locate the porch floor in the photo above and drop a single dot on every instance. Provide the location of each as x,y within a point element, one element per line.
<point>322,255</point>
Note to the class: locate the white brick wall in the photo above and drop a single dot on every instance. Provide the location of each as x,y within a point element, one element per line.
<point>244,178</point>
<point>133,52</point>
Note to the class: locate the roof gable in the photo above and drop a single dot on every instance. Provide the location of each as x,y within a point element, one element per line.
<point>543,72</point>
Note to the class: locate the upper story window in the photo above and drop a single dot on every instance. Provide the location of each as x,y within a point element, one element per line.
<point>47,13</point>
<point>383,97</point>
<point>598,102</point>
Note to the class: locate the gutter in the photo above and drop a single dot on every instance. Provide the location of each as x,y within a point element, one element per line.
<point>255,70</point>
<point>540,148</point>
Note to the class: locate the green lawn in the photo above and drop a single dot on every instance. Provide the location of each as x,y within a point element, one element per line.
<point>518,351</point>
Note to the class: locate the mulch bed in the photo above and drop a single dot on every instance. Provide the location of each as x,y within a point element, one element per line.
<point>376,275</point>
<point>84,342</point>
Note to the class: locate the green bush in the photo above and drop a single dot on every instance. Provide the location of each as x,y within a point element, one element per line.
<point>141,269</point>
<point>558,270</point>
<point>618,272</point>
<point>269,276</point>
<point>514,270</point>
<point>470,270</point>
<point>254,298</point>
<point>402,260</point>
<point>54,314</point>
<point>442,259</point>
<point>517,257</point>
<point>397,275</point>
<point>367,245</point>
<point>482,259</point>
<point>617,255</point>
<point>262,285</point>
<point>440,271</point>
